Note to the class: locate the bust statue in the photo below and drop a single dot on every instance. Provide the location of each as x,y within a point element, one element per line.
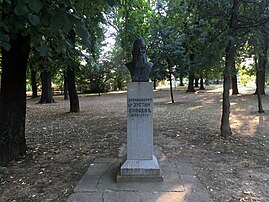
<point>139,67</point>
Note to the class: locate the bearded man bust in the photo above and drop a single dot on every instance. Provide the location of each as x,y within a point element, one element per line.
<point>139,67</point>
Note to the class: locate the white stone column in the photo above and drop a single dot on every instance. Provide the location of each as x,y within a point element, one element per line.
<point>140,163</point>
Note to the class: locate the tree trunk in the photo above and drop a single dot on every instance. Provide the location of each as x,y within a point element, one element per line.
<point>262,63</point>
<point>229,64</point>
<point>202,84</point>
<point>196,82</point>
<point>207,82</point>
<point>13,100</point>
<point>261,77</point>
<point>225,122</point>
<point>71,80</point>
<point>234,85</point>
<point>259,99</point>
<point>74,102</point>
<point>191,76</point>
<point>190,84</point>
<point>260,74</point>
<point>154,84</point>
<point>181,81</point>
<point>46,94</point>
<point>170,82</point>
<point>33,83</point>
<point>65,88</point>
<point>258,91</point>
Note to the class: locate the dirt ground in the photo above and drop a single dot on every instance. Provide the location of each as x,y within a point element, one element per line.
<point>62,145</point>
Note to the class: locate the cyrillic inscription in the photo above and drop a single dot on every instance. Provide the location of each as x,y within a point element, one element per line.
<point>139,107</point>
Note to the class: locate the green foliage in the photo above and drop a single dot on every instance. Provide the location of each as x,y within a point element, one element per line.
<point>35,6</point>
<point>120,74</point>
<point>246,75</point>
<point>187,34</point>
<point>94,77</point>
<point>49,24</point>
<point>132,20</point>
<point>183,39</point>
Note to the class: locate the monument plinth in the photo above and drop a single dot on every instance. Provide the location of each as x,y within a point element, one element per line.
<point>140,163</point>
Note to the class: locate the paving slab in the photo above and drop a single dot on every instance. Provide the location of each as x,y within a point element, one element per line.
<point>180,183</point>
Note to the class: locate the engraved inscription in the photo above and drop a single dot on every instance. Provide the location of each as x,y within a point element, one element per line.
<point>139,107</point>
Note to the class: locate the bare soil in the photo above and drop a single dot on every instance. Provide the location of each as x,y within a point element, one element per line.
<point>62,145</point>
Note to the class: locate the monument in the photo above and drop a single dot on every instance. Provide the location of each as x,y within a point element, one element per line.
<point>140,164</point>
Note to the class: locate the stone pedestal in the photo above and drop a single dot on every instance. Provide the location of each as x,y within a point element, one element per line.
<point>140,163</point>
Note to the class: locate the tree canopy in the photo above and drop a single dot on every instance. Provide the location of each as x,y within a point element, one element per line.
<point>196,39</point>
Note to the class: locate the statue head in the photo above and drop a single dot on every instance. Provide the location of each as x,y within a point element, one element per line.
<point>139,50</point>
<point>139,67</point>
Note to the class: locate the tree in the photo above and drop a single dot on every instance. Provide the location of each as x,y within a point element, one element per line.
<point>229,64</point>
<point>234,26</point>
<point>191,77</point>
<point>13,98</point>
<point>202,87</point>
<point>74,103</point>
<point>65,87</point>
<point>42,26</point>
<point>231,20</point>
<point>33,82</point>
<point>258,91</point>
<point>202,50</point>
<point>166,48</point>
<point>131,20</point>
<point>116,71</point>
<point>46,95</point>
<point>262,55</point>
<point>235,90</point>
<point>70,75</point>
<point>259,43</point>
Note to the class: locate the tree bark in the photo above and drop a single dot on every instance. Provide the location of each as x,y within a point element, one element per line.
<point>261,74</point>
<point>207,82</point>
<point>259,79</point>
<point>74,102</point>
<point>230,50</point>
<point>225,119</point>
<point>33,83</point>
<point>65,88</point>
<point>13,99</point>
<point>181,81</point>
<point>260,107</point>
<point>202,87</point>
<point>46,94</point>
<point>262,63</point>
<point>196,82</point>
<point>170,82</point>
<point>258,91</point>
<point>191,76</point>
<point>71,80</point>
<point>190,84</point>
<point>234,85</point>
<point>154,84</point>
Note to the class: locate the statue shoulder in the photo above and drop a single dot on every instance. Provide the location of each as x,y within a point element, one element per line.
<point>129,65</point>
<point>150,64</point>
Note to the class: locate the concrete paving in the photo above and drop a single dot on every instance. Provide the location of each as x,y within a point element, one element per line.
<point>180,183</point>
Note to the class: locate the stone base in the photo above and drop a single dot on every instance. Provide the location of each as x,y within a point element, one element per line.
<point>140,171</point>
<point>139,178</point>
